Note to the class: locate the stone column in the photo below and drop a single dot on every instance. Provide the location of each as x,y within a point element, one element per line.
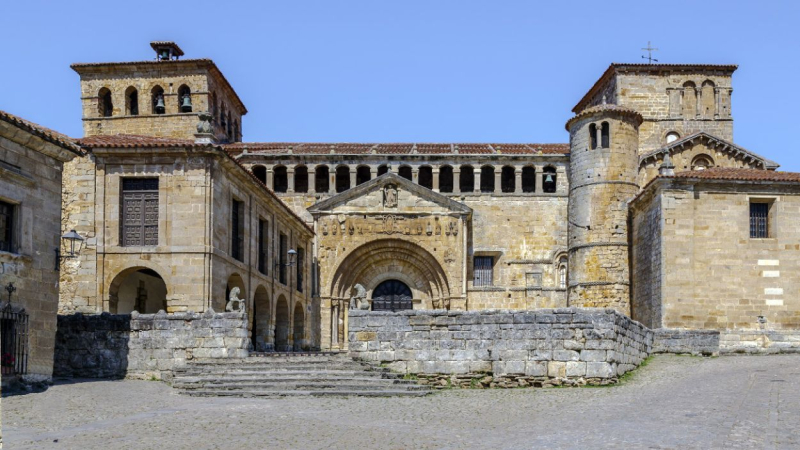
<point>290,179</point>
<point>415,175</point>
<point>312,179</point>
<point>353,178</point>
<point>539,179</point>
<point>456,180</point>
<point>517,179</point>
<point>476,180</point>
<point>331,179</point>
<point>270,178</point>
<point>599,131</point>
<point>716,102</point>
<point>698,105</point>
<point>373,172</point>
<point>498,180</point>
<point>435,179</point>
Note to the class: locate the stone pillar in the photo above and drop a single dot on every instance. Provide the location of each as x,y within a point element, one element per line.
<point>716,102</point>
<point>353,178</point>
<point>599,132</point>
<point>415,175</point>
<point>539,179</point>
<point>331,179</point>
<point>290,179</point>
<point>312,179</point>
<point>698,105</point>
<point>518,180</point>
<point>435,179</point>
<point>456,181</point>
<point>373,172</point>
<point>498,180</point>
<point>270,178</point>
<point>476,180</point>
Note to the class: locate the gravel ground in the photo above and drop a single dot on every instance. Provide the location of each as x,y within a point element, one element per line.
<point>733,402</point>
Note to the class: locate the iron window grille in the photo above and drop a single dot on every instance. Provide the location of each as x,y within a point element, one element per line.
<point>139,212</point>
<point>483,271</point>
<point>759,220</point>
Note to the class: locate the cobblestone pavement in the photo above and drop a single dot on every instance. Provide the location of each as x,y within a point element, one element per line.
<point>734,402</point>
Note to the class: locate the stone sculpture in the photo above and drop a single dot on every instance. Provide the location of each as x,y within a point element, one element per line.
<point>359,300</point>
<point>233,299</point>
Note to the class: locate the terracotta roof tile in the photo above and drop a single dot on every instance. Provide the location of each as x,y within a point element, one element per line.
<point>132,140</point>
<point>280,148</point>
<point>55,137</point>
<point>739,174</point>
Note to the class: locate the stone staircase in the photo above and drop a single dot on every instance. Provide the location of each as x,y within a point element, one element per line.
<point>291,374</point>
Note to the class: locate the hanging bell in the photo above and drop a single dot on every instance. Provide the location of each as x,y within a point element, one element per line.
<point>160,105</point>
<point>548,178</point>
<point>186,103</point>
<point>164,54</point>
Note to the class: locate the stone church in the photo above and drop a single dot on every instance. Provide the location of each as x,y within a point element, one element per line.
<point>651,210</point>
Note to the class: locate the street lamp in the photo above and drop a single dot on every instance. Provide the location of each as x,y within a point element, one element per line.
<point>73,238</point>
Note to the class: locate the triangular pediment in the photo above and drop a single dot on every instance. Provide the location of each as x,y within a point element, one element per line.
<point>711,141</point>
<point>389,193</point>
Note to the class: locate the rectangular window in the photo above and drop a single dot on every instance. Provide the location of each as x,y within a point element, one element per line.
<point>301,256</point>
<point>263,245</point>
<point>237,230</point>
<point>483,271</point>
<point>759,220</point>
<point>139,212</point>
<point>6,227</point>
<point>282,259</point>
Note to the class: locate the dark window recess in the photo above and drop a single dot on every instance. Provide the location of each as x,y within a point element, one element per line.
<point>139,212</point>
<point>528,179</point>
<point>263,245</point>
<point>301,179</point>
<point>237,230</point>
<point>759,220</point>
<point>592,136</point>
<point>382,170</point>
<point>466,182</point>
<point>392,295</point>
<point>6,227</point>
<point>280,179</point>
<point>487,179</point>
<point>426,177</point>
<point>322,179</point>
<point>14,341</point>
<point>301,256</point>
<point>362,175</point>
<point>342,178</point>
<point>483,271</point>
<point>605,135</point>
<point>549,180</point>
<point>446,179</point>
<point>405,172</point>
<point>283,249</point>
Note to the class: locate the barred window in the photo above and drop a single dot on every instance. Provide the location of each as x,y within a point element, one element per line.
<point>263,246</point>
<point>6,227</point>
<point>237,230</point>
<point>759,220</point>
<point>139,212</point>
<point>283,249</point>
<point>301,256</point>
<point>483,271</point>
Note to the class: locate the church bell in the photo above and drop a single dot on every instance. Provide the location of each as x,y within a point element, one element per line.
<point>548,178</point>
<point>160,104</point>
<point>186,103</point>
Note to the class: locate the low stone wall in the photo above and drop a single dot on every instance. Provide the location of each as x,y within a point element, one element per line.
<point>759,341</point>
<point>695,342</point>
<point>145,345</point>
<point>502,348</point>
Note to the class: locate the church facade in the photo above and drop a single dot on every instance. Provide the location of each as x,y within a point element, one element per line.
<point>651,209</point>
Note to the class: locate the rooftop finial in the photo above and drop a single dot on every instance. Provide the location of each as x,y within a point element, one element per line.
<point>650,51</point>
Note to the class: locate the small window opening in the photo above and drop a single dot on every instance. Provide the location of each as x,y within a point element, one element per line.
<point>528,179</point>
<point>446,179</point>
<point>342,178</point>
<point>508,182</point>
<point>605,135</point>
<point>321,179</point>
<point>362,174</point>
<point>280,181</point>
<point>487,179</point>
<point>593,136</point>
<point>301,179</point>
<point>426,177</point>
<point>132,101</point>
<point>549,180</point>
<point>466,181</point>
<point>405,172</point>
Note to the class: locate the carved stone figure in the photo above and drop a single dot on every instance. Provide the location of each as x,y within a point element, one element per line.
<point>390,196</point>
<point>204,126</point>
<point>359,300</point>
<point>233,299</point>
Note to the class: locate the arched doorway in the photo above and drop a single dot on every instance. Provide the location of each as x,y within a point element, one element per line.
<point>282,325</point>
<point>137,289</point>
<point>391,295</point>
<point>260,334</point>
<point>298,336</point>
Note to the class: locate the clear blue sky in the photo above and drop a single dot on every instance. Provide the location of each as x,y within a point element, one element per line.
<point>412,71</point>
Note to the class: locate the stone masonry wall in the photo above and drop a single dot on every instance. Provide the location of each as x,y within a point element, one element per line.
<point>145,345</point>
<point>511,348</point>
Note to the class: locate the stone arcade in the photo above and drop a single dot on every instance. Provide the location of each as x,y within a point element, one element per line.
<point>650,231</point>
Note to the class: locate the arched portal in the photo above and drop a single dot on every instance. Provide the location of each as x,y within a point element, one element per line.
<point>392,259</point>
<point>260,334</point>
<point>391,295</point>
<point>137,289</point>
<point>298,329</point>
<point>282,325</point>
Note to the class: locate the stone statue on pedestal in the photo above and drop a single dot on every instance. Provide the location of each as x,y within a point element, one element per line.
<point>234,302</point>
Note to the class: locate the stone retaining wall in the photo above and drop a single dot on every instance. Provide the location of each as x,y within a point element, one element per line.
<point>759,341</point>
<point>695,342</point>
<point>145,345</point>
<point>502,348</point>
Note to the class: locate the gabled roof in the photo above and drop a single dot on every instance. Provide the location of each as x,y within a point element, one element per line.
<point>318,148</point>
<point>381,181</point>
<point>135,140</point>
<point>711,140</point>
<point>47,134</point>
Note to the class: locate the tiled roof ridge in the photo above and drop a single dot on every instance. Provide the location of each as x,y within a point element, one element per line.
<point>606,107</point>
<point>45,133</point>
<point>401,147</point>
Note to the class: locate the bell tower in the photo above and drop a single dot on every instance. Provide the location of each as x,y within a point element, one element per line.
<point>161,97</point>
<point>604,142</point>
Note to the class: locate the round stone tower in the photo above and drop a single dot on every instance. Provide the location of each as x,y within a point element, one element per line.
<point>604,161</point>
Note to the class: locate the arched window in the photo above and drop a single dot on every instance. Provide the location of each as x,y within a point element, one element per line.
<point>301,179</point>
<point>383,169</point>
<point>261,173</point>
<point>222,114</point>
<point>184,99</point>
<point>280,181</point>
<point>487,179</point>
<point>237,135</point>
<point>131,101</point>
<point>322,179</point>
<point>405,172</point>
<point>445,179</point>
<point>605,135</point>
<point>593,136</point>
<point>342,178</point>
<point>689,100</point>
<point>508,182</point>
<point>229,130</point>
<point>528,179</point>
<point>708,100</point>
<point>702,162</point>
<point>214,108</point>
<point>549,179</point>
<point>562,273</point>
<point>362,174</point>
<point>466,182</point>
<point>157,100</point>
<point>672,136</point>
<point>426,177</point>
<point>104,105</point>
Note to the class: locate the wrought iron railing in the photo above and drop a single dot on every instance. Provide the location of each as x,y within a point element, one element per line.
<point>14,343</point>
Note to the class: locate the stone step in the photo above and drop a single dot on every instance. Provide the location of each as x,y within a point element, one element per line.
<point>210,380</point>
<point>336,393</point>
<point>280,371</point>
<point>300,386</point>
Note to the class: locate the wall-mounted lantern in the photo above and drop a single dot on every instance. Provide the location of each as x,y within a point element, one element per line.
<point>70,240</point>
